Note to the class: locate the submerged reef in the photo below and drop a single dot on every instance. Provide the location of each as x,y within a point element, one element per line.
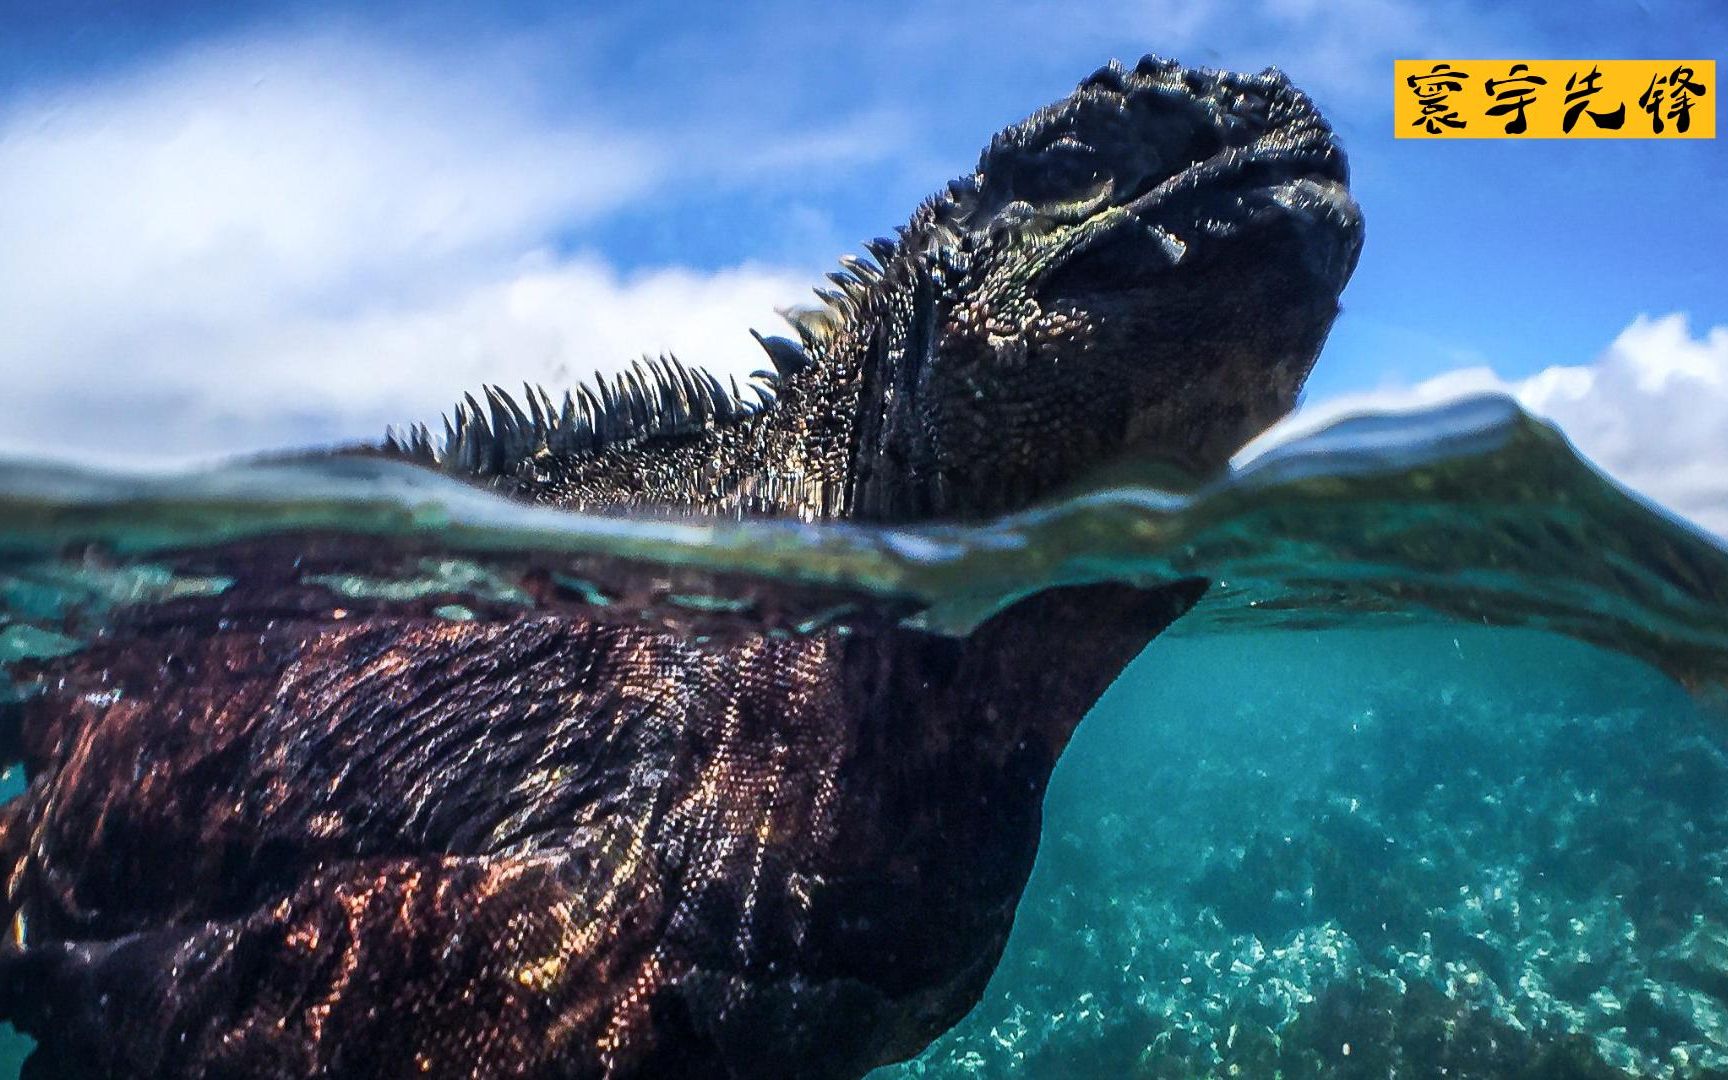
<point>1371,854</point>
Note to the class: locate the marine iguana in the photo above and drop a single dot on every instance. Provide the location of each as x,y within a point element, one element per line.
<point>284,832</point>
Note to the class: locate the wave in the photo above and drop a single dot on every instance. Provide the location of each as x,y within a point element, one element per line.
<point>1473,511</point>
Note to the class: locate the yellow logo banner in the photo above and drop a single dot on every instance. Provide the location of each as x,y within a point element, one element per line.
<point>1555,99</point>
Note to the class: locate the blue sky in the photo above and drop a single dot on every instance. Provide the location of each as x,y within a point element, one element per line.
<point>244,225</point>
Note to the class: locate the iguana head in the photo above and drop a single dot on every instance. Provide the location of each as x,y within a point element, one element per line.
<point>1148,266</point>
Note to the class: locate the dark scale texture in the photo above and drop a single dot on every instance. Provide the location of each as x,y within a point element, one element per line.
<point>542,846</point>
<point>285,831</point>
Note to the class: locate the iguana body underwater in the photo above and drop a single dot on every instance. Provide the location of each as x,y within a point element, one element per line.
<point>278,832</point>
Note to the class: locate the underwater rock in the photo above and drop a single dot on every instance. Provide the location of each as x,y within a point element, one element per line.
<point>1700,959</point>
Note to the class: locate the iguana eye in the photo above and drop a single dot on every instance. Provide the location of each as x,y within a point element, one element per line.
<point>1068,143</point>
<point>1065,170</point>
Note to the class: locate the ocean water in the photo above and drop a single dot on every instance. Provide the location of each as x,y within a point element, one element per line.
<point>1433,781</point>
<point>1395,852</point>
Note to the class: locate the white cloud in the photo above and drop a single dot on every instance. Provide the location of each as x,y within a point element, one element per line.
<point>236,180</point>
<point>299,379</point>
<point>1651,411</point>
<point>264,244</point>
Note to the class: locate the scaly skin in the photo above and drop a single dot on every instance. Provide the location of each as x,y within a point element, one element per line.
<point>287,832</point>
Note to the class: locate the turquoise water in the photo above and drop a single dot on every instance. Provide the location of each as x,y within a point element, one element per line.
<point>1434,845</point>
<point>1433,777</point>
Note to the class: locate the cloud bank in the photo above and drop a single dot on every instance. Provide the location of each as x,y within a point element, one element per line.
<point>1651,411</point>
<point>259,245</point>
